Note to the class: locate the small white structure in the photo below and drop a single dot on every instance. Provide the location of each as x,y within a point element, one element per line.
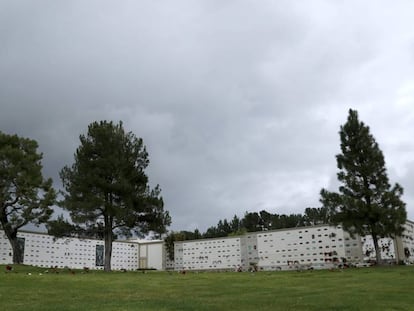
<point>151,254</point>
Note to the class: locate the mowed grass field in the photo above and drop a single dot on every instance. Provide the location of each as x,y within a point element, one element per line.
<point>380,288</point>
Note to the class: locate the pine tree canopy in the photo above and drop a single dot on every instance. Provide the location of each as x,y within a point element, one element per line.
<point>365,204</point>
<point>106,188</point>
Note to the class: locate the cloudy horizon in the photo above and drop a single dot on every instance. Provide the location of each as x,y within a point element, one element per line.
<point>239,103</point>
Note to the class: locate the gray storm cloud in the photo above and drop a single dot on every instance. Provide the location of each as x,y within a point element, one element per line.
<point>239,103</point>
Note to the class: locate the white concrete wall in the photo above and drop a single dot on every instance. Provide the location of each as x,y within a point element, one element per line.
<point>178,255</point>
<point>386,245</point>
<point>249,250</point>
<point>300,246</point>
<point>208,254</point>
<point>168,263</point>
<point>407,239</point>
<point>124,255</point>
<point>44,251</point>
<point>353,248</point>
<point>392,249</point>
<point>268,250</point>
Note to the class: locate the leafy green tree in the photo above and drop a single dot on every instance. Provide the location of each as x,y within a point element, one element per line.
<point>235,224</point>
<point>60,227</point>
<point>197,234</point>
<point>211,232</point>
<point>173,236</point>
<point>316,216</point>
<point>25,196</point>
<point>241,231</point>
<point>251,221</point>
<point>366,204</point>
<point>291,221</point>
<point>266,220</point>
<point>169,240</point>
<point>223,228</point>
<point>106,188</point>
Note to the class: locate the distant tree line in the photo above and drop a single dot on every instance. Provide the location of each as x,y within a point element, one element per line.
<point>259,221</point>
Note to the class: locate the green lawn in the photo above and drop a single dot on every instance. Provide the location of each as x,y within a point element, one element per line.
<point>390,288</point>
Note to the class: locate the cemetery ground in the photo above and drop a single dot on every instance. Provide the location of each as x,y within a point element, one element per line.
<point>375,288</point>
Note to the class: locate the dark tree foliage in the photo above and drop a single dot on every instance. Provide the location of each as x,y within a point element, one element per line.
<point>212,232</point>
<point>366,204</point>
<point>224,228</point>
<point>235,224</point>
<point>252,222</point>
<point>179,236</point>
<point>316,216</point>
<point>60,227</point>
<point>267,221</point>
<point>287,221</point>
<point>106,188</point>
<point>169,245</point>
<point>25,197</point>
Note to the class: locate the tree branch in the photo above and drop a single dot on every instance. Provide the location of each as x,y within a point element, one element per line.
<point>13,210</point>
<point>7,204</point>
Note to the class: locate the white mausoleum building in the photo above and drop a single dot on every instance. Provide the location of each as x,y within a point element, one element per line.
<point>283,249</point>
<point>270,250</point>
<point>40,249</point>
<point>401,248</point>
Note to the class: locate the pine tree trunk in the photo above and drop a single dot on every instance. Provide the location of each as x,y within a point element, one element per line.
<point>377,250</point>
<point>12,237</point>
<point>17,253</point>
<point>108,247</point>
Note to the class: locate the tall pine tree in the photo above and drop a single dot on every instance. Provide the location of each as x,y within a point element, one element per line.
<point>106,188</point>
<point>366,204</point>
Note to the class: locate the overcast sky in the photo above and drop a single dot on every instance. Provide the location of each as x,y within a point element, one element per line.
<point>239,102</point>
